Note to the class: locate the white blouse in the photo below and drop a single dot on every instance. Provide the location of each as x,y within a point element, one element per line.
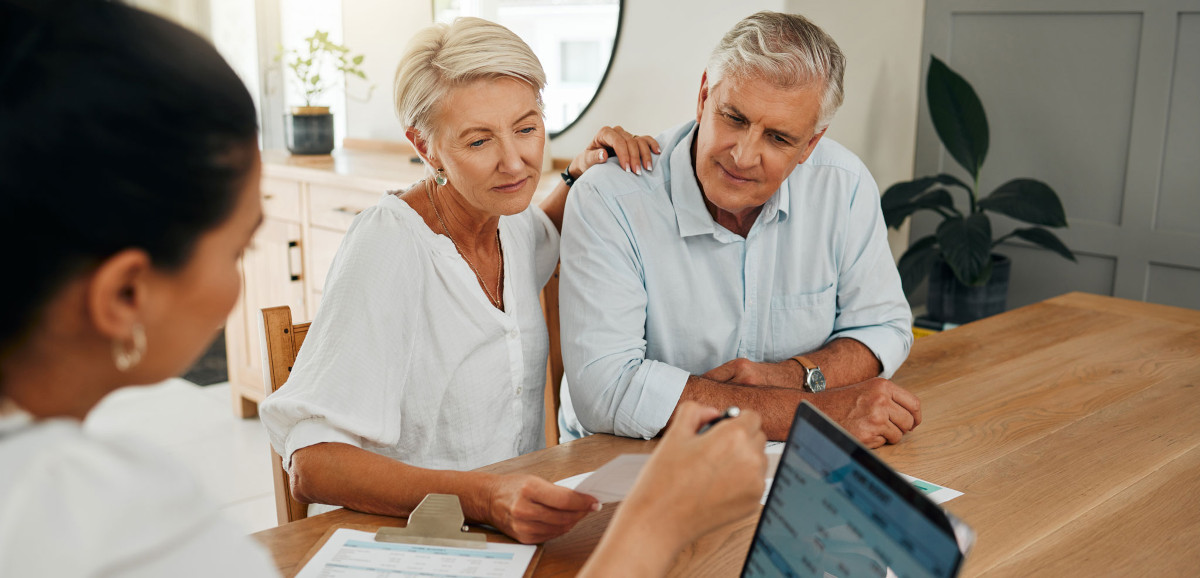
<point>72,504</point>
<point>409,359</point>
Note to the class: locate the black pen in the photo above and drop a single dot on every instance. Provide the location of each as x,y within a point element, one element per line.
<point>731,411</point>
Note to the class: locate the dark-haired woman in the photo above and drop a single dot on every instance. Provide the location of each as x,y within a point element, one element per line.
<point>132,147</point>
<point>129,179</point>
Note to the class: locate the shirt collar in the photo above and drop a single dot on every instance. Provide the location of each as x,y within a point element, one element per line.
<point>691,215</point>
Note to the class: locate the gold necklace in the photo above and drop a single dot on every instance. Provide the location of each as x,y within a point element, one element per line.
<point>499,255</point>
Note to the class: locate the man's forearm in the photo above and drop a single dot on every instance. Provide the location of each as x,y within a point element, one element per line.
<point>776,405</point>
<point>843,362</point>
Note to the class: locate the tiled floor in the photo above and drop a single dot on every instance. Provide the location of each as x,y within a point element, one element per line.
<point>196,426</point>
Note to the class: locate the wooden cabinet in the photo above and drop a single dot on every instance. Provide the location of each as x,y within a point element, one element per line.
<point>272,274</point>
<point>334,208</point>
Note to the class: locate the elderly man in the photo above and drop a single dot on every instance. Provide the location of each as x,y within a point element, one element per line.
<point>749,268</point>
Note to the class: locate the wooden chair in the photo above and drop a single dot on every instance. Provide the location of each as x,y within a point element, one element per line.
<point>282,341</point>
<point>554,365</point>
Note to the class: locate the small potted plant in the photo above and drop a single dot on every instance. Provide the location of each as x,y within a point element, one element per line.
<point>310,127</point>
<point>967,281</point>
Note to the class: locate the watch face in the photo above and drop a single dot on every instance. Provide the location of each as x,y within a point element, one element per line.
<point>816,380</point>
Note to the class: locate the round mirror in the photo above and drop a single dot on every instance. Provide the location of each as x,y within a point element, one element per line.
<point>574,40</point>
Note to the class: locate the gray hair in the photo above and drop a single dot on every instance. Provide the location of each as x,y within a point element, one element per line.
<point>443,56</point>
<point>786,49</point>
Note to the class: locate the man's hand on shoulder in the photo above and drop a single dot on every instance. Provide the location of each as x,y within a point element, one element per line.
<point>876,411</point>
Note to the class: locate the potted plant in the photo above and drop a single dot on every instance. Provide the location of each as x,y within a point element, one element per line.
<point>310,127</point>
<point>967,281</point>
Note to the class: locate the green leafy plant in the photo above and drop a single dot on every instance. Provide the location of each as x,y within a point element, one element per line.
<point>964,239</point>
<point>307,62</point>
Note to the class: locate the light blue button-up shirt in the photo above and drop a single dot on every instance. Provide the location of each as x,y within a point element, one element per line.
<point>654,290</point>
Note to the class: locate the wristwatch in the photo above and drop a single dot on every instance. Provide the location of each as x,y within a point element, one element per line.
<point>814,380</point>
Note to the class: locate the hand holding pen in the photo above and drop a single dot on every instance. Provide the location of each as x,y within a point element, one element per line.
<point>731,411</point>
<point>711,478</point>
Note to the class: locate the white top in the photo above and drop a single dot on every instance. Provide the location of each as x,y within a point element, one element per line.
<point>76,505</point>
<point>407,358</point>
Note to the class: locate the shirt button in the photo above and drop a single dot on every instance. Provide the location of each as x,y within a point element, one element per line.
<point>519,390</point>
<point>512,334</point>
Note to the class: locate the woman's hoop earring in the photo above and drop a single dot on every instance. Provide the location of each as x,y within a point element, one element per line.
<point>127,357</point>
<point>440,178</point>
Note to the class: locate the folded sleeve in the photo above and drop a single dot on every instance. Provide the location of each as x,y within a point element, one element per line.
<point>871,307</point>
<point>613,387</point>
<point>353,369</point>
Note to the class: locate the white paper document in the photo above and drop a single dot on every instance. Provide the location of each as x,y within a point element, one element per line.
<point>353,553</point>
<point>612,482</point>
<point>939,494</point>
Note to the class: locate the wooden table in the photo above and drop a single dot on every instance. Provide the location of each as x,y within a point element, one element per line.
<point>1072,426</point>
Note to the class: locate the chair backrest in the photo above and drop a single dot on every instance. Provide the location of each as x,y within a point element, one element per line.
<point>281,342</point>
<point>554,366</point>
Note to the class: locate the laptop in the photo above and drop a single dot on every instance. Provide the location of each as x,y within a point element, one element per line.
<point>835,509</point>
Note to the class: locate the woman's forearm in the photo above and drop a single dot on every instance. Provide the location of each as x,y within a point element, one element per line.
<point>344,475</point>
<point>635,545</point>
<point>555,204</point>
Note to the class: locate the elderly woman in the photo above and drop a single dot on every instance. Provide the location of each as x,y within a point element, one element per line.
<point>428,356</point>
<point>133,267</point>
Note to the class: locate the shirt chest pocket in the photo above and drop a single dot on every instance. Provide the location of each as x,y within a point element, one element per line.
<point>801,322</point>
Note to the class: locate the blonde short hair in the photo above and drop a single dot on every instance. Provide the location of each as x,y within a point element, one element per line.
<point>443,56</point>
<point>786,49</point>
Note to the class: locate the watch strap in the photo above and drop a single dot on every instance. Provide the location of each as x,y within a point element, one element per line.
<point>805,362</point>
<point>567,178</point>
<point>814,380</point>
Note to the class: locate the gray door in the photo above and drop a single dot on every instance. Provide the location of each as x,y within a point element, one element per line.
<point>1101,100</point>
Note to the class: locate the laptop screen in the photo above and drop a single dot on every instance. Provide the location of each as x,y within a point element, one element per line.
<point>835,509</point>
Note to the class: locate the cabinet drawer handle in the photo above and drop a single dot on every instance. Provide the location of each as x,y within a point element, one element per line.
<point>292,260</point>
<point>348,211</point>
<point>268,197</point>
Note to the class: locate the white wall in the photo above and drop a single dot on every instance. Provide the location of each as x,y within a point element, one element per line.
<point>882,43</point>
<point>299,19</point>
<point>652,84</point>
<point>233,33</point>
<point>655,73</point>
<point>228,24</point>
<point>878,119</point>
<point>190,13</point>
<point>656,70</point>
<point>380,30</point>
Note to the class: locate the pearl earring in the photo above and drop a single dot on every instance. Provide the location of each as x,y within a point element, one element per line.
<point>440,178</point>
<point>127,357</point>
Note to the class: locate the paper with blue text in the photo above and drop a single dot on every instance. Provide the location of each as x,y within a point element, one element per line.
<point>355,554</point>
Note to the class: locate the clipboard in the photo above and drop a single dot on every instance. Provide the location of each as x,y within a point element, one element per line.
<point>436,521</point>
